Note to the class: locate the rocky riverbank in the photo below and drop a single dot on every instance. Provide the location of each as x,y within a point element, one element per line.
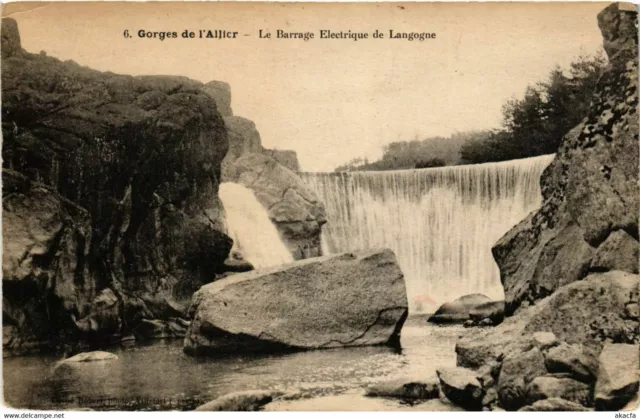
<point>111,215</point>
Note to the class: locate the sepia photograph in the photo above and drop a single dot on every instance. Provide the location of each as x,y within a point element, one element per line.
<point>320,207</point>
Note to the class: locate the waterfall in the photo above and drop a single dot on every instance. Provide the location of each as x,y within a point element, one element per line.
<point>440,222</point>
<point>248,224</point>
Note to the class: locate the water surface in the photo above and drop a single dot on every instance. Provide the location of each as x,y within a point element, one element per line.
<point>160,376</point>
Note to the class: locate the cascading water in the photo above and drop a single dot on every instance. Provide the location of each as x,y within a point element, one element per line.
<point>248,224</point>
<point>440,222</point>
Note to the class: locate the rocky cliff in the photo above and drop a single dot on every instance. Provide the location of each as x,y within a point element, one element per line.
<point>570,269</point>
<point>272,176</point>
<point>588,221</point>
<point>110,209</point>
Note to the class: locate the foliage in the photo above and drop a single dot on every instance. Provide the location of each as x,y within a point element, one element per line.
<point>535,124</point>
<point>428,152</point>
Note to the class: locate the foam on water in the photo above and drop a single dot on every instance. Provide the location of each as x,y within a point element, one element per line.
<point>248,224</point>
<point>440,222</point>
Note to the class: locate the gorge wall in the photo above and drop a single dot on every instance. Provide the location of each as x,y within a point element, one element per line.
<point>588,221</point>
<point>111,217</point>
<point>272,176</point>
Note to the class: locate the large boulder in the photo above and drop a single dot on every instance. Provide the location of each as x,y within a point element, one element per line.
<point>292,206</point>
<point>457,311</point>
<point>618,372</point>
<point>351,299</point>
<point>590,190</point>
<point>117,188</point>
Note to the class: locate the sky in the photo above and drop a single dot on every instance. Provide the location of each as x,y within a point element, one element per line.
<point>337,99</point>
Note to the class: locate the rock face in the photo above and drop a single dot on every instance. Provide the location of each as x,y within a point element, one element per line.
<point>457,311</point>
<point>332,301</point>
<point>590,191</point>
<point>111,214</point>
<point>617,380</point>
<point>221,93</point>
<point>292,206</point>
<point>244,138</point>
<point>587,312</point>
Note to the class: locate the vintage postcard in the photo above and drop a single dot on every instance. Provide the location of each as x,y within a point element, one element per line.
<point>319,207</point>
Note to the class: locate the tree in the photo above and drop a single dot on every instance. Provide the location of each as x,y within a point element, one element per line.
<point>535,124</point>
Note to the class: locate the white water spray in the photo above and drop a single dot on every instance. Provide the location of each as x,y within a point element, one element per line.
<point>440,222</point>
<point>248,224</point>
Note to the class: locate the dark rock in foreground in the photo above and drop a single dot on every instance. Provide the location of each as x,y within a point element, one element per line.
<point>351,299</point>
<point>462,387</point>
<point>457,311</point>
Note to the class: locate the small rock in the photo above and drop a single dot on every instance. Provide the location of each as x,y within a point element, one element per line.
<point>617,381</point>
<point>618,252</point>
<point>403,389</point>
<point>574,360</point>
<point>554,404</point>
<point>564,388</point>
<point>485,322</point>
<point>241,401</point>
<point>91,357</point>
<point>490,397</point>
<point>469,323</point>
<point>485,376</point>
<point>518,370</point>
<point>544,340</point>
<point>461,386</point>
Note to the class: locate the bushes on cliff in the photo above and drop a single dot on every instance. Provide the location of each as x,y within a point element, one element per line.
<point>535,124</point>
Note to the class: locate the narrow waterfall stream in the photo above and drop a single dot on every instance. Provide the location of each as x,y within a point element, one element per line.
<point>248,224</point>
<point>440,222</point>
